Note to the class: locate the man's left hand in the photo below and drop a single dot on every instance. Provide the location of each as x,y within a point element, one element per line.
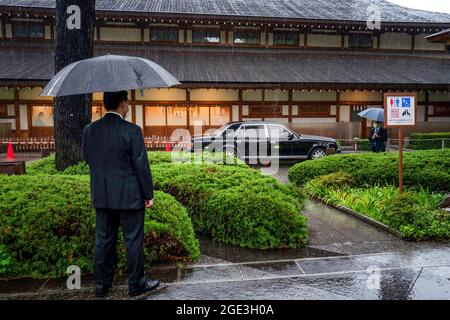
<point>148,204</point>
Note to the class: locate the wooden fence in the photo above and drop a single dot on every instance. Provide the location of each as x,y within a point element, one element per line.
<point>48,144</point>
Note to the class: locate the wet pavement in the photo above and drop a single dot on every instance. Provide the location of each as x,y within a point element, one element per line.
<point>346,259</point>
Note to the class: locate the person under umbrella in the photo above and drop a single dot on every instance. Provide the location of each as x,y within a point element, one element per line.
<point>378,135</point>
<point>114,149</point>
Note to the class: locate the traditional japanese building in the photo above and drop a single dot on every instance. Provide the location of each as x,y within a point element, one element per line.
<point>311,64</point>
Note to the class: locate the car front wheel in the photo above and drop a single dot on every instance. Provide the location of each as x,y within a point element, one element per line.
<point>317,153</point>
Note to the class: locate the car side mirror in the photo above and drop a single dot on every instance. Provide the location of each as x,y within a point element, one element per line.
<point>291,136</point>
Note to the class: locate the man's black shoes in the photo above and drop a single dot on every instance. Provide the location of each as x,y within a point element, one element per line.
<point>102,292</point>
<point>149,285</point>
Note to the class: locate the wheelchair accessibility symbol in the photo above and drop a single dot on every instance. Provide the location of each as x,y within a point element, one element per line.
<point>406,102</point>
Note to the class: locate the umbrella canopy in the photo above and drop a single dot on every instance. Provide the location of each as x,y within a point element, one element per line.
<point>376,114</point>
<point>108,73</point>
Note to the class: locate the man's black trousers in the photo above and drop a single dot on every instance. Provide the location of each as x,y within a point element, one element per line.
<point>105,257</point>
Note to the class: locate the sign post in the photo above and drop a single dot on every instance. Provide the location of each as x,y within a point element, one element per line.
<point>400,111</point>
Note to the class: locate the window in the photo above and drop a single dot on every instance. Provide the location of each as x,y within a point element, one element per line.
<point>177,116</point>
<point>164,35</point>
<point>442,111</point>
<point>28,30</point>
<point>278,132</point>
<point>3,111</point>
<point>206,36</point>
<point>314,111</point>
<point>360,40</point>
<point>228,131</point>
<point>220,115</point>
<point>155,116</point>
<point>265,111</point>
<point>252,131</point>
<point>42,116</point>
<point>199,116</point>
<point>281,38</point>
<point>247,37</point>
<point>97,113</point>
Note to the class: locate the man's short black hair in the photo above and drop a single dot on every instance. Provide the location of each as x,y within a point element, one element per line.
<point>112,100</point>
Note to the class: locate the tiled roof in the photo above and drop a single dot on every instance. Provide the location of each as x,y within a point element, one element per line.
<point>253,66</point>
<point>353,10</point>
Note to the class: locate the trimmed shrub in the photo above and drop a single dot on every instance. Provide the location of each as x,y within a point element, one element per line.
<point>160,157</point>
<point>335,180</point>
<point>6,261</point>
<point>363,145</point>
<point>426,169</point>
<point>237,205</point>
<point>195,185</point>
<point>415,213</point>
<point>429,141</point>
<point>46,166</point>
<point>47,223</point>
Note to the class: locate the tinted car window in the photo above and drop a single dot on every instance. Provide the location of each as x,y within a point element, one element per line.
<point>252,131</point>
<point>277,132</point>
<point>230,131</point>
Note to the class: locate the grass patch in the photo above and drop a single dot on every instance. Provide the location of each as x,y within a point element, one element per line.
<point>415,213</point>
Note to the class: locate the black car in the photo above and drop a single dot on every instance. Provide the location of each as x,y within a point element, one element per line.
<point>263,140</point>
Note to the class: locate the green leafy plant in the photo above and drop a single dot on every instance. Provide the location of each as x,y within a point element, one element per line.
<point>429,141</point>
<point>426,169</point>
<point>236,204</point>
<point>415,213</point>
<point>47,223</point>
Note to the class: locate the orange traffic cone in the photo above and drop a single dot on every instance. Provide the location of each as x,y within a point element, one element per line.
<point>167,147</point>
<point>10,154</point>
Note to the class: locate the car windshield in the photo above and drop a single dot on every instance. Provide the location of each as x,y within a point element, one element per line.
<point>220,130</point>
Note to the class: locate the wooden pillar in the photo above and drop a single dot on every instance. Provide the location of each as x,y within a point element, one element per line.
<point>98,32</point>
<point>3,31</point>
<point>413,42</point>
<point>290,105</point>
<point>188,100</point>
<point>427,105</point>
<point>52,31</point>
<point>306,39</point>
<point>338,106</point>
<point>17,110</point>
<point>240,104</point>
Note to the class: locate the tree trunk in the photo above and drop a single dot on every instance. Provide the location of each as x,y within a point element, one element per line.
<point>74,41</point>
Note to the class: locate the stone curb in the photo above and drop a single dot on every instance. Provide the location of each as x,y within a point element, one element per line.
<point>360,216</point>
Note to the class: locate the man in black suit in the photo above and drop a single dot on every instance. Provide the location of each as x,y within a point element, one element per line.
<point>121,188</point>
<point>378,137</point>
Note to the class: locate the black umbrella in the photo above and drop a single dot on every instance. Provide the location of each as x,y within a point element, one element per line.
<point>108,73</point>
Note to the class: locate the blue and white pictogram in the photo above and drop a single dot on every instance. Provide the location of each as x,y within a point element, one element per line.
<point>406,102</point>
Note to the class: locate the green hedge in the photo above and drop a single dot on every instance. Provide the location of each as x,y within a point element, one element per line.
<point>263,214</point>
<point>47,223</point>
<point>426,169</point>
<point>237,205</point>
<point>363,145</point>
<point>46,166</point>
<point>421,141</point>
<point>415,214</point>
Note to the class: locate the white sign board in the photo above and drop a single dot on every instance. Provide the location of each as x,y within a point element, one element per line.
<point>400,110</point>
